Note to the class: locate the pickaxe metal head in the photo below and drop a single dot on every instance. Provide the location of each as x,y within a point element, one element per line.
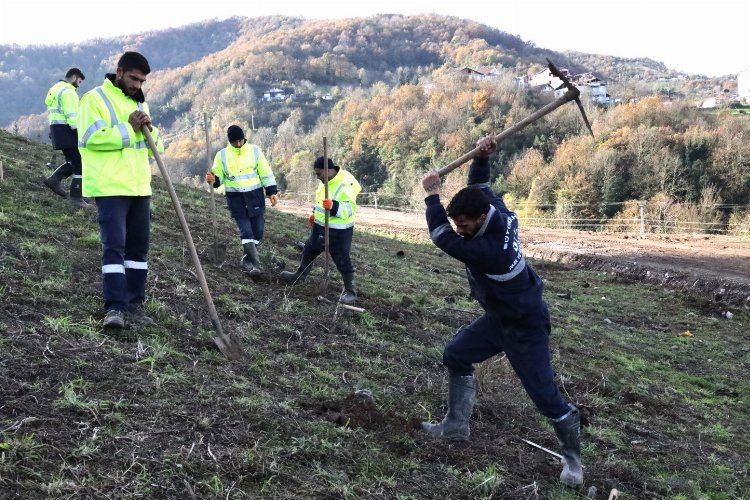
<point>573,93</point>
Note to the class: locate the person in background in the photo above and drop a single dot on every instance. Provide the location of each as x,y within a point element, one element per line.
<point>245,173</point>
<point>62,113</point>
<point>516,319</point>
<point>116,172</point>
<point>342,206</point>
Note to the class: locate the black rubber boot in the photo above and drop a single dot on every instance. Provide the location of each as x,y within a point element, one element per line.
<point>251,260</point>
<point>301,273</point>
<point>76,195</point>
<point>349,295</point>
<point>568,432</point>
<point>54,181</point>
<point>462,393</point>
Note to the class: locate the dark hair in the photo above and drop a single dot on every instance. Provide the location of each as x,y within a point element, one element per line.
<point>75,72</point>
<point>133,60</point>
<point>470,202</point>
<point>319,162</point>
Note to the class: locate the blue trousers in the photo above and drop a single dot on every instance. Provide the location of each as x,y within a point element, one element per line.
<point>526,349</point>
<point>125,226</point>
<point>248,210</point>
<point>340,245</point>
<point>73,156</point>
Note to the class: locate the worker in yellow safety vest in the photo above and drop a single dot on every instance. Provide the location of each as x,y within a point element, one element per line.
<point>343,189</point>
<point>116,172</point>
<point>245,173</point>
<point>62,114</point>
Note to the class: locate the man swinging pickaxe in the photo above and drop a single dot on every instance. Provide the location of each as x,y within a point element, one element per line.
<point>573,94</point>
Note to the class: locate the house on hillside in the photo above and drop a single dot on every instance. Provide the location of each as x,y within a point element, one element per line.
<point>743,86</point>
<point>481,73</point>
<point>589,85</point>
<point>277,94</point>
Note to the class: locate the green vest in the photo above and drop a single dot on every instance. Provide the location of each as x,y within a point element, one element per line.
<point>62,104</point>
<point>115,157</point>
<point>343,188</point>
<point>242,169</point>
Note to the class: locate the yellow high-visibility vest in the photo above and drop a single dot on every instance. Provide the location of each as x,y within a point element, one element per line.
<point>243,169</point>
<point>62,104</point>
<point>115,157</point>
<point>343,188</point>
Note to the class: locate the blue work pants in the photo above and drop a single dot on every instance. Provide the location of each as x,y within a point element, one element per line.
<point>124,225</point>
<point>339,246</point>
<point>526,348</point>
<point>248,210</point>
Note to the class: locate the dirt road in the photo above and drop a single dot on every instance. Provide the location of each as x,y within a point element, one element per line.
<point>716,264</point>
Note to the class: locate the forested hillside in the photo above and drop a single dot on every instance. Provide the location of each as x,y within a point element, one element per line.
<point>26,73</point>
<point>388,93</point>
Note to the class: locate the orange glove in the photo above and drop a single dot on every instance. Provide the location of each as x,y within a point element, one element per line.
<point>274,199</point>
<point>210,178</point>
<point>311,220</point>
<point>328,203</point>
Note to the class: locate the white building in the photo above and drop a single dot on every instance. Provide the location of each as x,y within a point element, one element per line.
<point>274,94</point>
<point>587,83</point>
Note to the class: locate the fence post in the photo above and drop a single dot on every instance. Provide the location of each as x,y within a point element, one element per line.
<point>2,172</point>
<point>376,200</point>
<point>643,222</point>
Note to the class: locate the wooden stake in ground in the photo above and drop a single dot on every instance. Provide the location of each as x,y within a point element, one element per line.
<point>229,345</point>
<point>215,253</point>
<point>328,212</point>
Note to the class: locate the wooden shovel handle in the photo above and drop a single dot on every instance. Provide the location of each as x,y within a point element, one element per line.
<point>186,232</point>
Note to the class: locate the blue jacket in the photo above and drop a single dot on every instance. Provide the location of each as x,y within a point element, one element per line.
<point>500,278</point>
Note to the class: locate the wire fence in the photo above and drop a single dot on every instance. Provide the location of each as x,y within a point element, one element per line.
<point>651,217</point>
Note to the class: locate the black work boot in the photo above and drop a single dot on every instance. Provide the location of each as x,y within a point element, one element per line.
<point>568,432</point>
<point>54,181</point>
<point>301,273</point>
<point>349,295</point>
<point>114,319</point>
<point>462,393</point>
<point>251,260</point>
<point>76,195</point>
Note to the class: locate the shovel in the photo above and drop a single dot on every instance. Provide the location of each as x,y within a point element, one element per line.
<point>218,252</point>
<point>229,345</point>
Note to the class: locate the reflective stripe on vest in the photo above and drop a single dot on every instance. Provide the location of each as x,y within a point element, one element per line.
<point>234,178</point>
<point>58,110</point>
<point>510,275</point>
<point>115,123</point>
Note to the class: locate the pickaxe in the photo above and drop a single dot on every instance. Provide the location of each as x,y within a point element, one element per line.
<point>573,94</point>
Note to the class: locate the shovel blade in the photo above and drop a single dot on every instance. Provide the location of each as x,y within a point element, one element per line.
<point>230,346</point>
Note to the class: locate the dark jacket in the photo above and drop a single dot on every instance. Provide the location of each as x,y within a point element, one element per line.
<point>500,279</point>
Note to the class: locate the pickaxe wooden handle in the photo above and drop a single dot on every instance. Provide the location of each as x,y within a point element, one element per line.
<point>571,95</point>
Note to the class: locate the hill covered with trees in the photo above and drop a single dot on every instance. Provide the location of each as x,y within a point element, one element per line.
<point>388,93</point>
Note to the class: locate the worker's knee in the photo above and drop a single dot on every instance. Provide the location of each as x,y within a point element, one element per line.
<point>456,363</point>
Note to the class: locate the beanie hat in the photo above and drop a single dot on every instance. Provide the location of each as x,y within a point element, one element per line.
<point>235,133</point>
<point>320,161</point>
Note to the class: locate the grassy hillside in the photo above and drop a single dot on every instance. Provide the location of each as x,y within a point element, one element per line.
<point>159,413</point>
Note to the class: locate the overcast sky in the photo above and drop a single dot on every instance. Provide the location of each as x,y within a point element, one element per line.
<point>706,37</point>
